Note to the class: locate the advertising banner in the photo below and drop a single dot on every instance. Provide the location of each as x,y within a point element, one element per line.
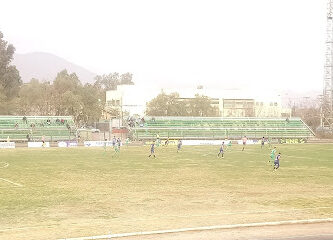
<point>38,144</point>
<point>98,143</point>
<point>292,141</point>
<point>7,145</point>
<point>174,142</point>
<point>67,144</point>
<point>204,142</point>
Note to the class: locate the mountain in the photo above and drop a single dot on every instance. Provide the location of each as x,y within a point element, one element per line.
<point>45,66</point>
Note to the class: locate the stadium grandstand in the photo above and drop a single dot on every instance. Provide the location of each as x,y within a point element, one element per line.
<point>32,128</point>
<point>220,128</point>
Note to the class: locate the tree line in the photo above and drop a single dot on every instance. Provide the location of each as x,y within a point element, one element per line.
<point>65,95</point>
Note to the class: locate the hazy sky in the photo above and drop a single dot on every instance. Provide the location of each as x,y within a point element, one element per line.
<point>226,43</point>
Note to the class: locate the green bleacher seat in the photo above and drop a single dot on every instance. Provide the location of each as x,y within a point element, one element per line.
<point>220,128</point>
<point>16,129</point>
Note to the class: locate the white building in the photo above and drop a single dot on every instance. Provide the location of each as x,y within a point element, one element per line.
<point>132,99</point>
<point>240,102</point>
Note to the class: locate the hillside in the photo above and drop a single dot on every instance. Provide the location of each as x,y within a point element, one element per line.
<point>45,66</point>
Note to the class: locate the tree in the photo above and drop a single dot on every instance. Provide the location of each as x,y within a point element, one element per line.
<point>10,80</point>
<point>112,80</point>
<point>66,82</point>
<point>93,101</point>
<point>311,116</point>
<point>200,106</point>
<point>67,95</point>
<point>173,105</point>
<point>107,81</point>
<point>35,98</point>
<point>126,78</point>
<point>164,105</point>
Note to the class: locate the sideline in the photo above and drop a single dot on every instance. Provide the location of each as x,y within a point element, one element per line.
<point>229,226</point>
<point>16,184</point>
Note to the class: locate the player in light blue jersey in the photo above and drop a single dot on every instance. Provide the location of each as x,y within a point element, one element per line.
<point>152,150</point>
<point>221,152</point>
<point>277,162</point>
<point>179,145</point>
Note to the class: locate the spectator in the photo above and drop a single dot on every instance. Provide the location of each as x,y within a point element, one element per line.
<point>25,120</point>
<point>16,125</point>
<point>28,137</point>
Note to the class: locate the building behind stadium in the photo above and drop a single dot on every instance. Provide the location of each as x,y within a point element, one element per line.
<point>132,100</point>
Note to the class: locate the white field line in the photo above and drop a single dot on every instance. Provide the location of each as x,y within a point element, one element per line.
<point>243,212</point>
<point>16,184</point>
<point>4,165</point>
<point>227,226</point>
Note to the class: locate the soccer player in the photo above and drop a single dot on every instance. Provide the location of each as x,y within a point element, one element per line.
<point>277,162</point>
<point>221,150</point>
<point>105,144</point>
<point>114,140</point>
<point>116,149</point>
<point>179,145</point>
<point>166,143</point>
<point>118,143</point>
<point>262,142</point>
<point>43,142</point>
<point>157,142</point>
<point>269,142</point>
<point>229,145</point>
<point>244,139</point>
<point>152,149</point>
<point>272,154</point>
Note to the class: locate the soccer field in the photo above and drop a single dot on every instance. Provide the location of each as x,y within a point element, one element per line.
<point>57,193</point>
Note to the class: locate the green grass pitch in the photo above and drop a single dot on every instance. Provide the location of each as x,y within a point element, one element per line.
<point>56,193</point>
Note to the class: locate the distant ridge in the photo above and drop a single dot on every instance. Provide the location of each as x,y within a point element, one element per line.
<point>45,66</point>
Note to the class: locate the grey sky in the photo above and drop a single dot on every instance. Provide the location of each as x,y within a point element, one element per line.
<point>265,43</point>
